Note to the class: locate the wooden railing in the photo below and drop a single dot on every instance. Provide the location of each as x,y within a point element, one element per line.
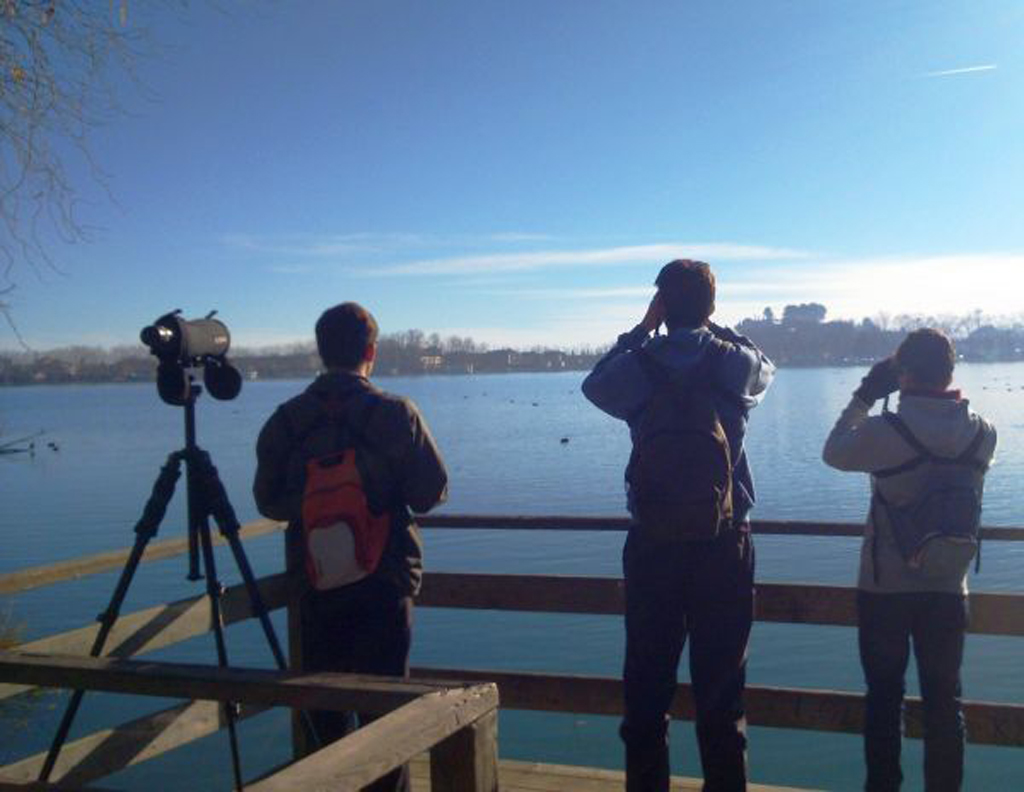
<point>456,724</point>
<point>144,631</point>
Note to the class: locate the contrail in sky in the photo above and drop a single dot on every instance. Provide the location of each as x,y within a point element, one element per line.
<point>966,70</point>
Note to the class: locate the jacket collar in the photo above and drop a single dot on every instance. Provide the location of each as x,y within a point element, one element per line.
<point>930,405</point>
<point>949,395</point>
<point>338,385</point>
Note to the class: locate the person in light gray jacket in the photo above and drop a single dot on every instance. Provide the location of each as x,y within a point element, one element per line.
<point>899,604</point>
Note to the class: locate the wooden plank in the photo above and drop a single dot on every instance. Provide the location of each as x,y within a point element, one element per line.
<point>385,744</point>
<point>301,735</point>
<point>467,761</point>
<point>34,577</point>
<point>7,785</point>
<point>159,626</point>
<point>534,593</point>
<point>801,603</point>
<point>788,708</point>
<point>518,776</point>
<point>795,603</point>
<point>996,614</point>
<point>109,750</point>
<point>521,523</point>
<point>153,628</point>
<point>561,523</point>
<point>328,691</point>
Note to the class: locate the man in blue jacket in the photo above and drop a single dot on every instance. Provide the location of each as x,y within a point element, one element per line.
<point>698,589</point>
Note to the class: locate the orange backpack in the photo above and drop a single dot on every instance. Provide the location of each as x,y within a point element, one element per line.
<point>344,539</point>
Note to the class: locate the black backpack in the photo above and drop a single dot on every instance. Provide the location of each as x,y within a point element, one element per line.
<point>680,470</point>
<point>938,532</point>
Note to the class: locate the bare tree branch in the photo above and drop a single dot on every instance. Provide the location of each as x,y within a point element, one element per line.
<point>64,66</point>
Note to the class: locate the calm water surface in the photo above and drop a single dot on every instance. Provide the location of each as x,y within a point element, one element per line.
<point>501,437</point>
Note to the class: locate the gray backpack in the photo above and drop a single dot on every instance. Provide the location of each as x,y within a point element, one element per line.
<point>938,532</point>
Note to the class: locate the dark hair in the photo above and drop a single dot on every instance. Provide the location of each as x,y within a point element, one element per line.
<point>927,356</point>
<point>343,333</point>
<point>687,291</point>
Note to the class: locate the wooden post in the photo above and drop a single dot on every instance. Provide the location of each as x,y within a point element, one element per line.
<point>468,760</point>
<point>302,743</point>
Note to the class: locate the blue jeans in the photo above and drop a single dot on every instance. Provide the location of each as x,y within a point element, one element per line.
<point>703,591</point>
<point>887,626</point>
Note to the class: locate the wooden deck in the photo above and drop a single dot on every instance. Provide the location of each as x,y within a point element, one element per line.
<point>537,777</point>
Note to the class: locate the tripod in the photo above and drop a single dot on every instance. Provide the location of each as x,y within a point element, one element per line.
<point>206,498</point>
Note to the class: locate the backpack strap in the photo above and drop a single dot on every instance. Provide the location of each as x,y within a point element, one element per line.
<point>923,454</point>
<point>969,456</point>
<point>339,413</point>
<point>903,431</point>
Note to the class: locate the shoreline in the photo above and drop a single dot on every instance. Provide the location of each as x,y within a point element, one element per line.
<point>305,376</point>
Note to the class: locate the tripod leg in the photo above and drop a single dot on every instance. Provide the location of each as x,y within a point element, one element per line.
<point>223,512</point>
<point>213,590</point>
<point>145,529</point>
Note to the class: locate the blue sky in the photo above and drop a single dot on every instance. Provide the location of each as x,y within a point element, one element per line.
<point>518,171</point>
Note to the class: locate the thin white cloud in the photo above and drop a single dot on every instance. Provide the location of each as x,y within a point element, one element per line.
<point>322,246</point>
<point>939,285</point>
<point>347,246</point>
<point>611,293</point>
<point>575,329</point>
<point>965,70</point>
<point>520,236</point>
<point>544,259</point>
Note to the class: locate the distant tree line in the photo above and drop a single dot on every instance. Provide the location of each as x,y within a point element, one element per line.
<point>408,352</point>
<point>801,337</point>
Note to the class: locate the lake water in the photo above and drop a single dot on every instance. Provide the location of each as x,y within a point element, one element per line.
<point>500,436</point>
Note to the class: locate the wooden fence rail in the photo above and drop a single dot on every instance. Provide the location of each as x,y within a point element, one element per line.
<point>785,708</point>
<point>807,709</point>
<point>36,577</point>
<point>163,625</point>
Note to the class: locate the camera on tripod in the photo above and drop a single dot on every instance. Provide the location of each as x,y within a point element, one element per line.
<point>181,344</point>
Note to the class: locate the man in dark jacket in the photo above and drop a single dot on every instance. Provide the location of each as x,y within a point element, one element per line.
<point>697,589</point>
<point>365,626</point>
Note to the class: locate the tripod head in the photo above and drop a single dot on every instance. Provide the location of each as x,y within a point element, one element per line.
<point>184,344</point>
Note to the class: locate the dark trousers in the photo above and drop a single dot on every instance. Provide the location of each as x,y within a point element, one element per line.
<point>704,591</point>
<point>887,625</point>
<point>366,628</point>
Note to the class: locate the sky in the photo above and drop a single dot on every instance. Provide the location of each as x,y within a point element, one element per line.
<point>518,172</point>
